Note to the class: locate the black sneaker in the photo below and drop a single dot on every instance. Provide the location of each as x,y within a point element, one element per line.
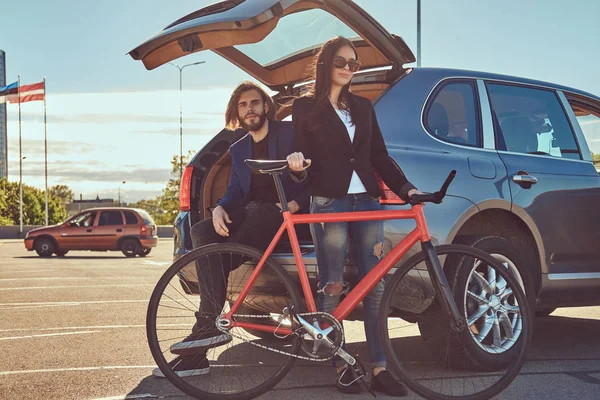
<point>347,381</point>
<point>185,367</point>
<point>205,335</point>
<point>384,382</point>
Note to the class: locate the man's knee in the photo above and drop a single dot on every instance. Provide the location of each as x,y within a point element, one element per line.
<point>202,233</point>
<point>333,289</point>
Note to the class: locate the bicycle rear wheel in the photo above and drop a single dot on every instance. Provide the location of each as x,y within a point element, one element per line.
<point>438,362</point>
<point>243,368</point>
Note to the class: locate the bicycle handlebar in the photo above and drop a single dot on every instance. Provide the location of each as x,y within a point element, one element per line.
<point>435,197</point>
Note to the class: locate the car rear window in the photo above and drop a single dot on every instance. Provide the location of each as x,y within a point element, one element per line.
<point>130,218</point>
<point>146,217</point>
<point>111,218</point>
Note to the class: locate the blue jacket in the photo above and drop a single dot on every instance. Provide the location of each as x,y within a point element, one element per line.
<point>281,144</point>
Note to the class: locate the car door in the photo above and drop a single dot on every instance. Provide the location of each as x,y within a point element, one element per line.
<point>78,232</point>
<point>551,177</point>
<point>273,40</point>
<point>109,229</point>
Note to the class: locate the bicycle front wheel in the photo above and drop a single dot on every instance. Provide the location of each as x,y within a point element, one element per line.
<point>438,362</point>
<point>244,365</point>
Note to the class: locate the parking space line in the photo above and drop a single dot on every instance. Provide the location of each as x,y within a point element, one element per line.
<point>75,287</point>
<point>74,278</point>
<point>39,371</point>
<point>87,327</point>
<point>14,306</point>
<point>131,396</point>
<point>49,334</point>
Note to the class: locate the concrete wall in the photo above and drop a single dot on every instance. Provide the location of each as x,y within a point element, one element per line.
<point>12,231</point>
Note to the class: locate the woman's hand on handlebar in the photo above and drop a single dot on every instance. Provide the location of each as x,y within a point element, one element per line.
<point>297,162</point>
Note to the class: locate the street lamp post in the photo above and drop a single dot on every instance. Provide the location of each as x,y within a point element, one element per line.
<point>418,33</point>
<point>181,112</point>
<point>124,182</point>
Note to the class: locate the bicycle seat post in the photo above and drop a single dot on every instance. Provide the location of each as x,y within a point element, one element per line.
<point>280,191</point>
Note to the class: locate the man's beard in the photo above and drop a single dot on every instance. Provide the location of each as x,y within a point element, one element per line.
<point>252,127</point>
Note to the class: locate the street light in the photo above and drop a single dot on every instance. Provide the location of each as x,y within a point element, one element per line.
<point>124,182</point>
<point>21,195</point>
<point>181,112</point>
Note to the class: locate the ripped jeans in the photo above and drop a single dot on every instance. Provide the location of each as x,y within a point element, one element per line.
<point>331,241</point>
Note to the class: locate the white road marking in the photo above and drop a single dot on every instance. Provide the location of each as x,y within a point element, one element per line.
<point>75,278</point>
<point>39,371</point>
<point>148,262</point>
<point>74,287</point>
<point>13,306</point>
<point>49,334</point>
<point>21,271</point>
<point>87,327</point>
<point>129,396</point>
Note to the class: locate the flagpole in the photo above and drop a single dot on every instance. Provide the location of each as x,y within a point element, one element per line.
<point>45,152</point>
<point>20,162</point>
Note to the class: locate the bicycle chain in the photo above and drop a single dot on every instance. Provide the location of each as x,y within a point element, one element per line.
<point>337,326</point>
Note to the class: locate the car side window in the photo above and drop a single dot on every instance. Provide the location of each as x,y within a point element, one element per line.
<point>130,218</point>
<point>108,218</point>
<point>589,121</point>
<point>452,116</point>
<point>84,220</point>
<point>531,121</point>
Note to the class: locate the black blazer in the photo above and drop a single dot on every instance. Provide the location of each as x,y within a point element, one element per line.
<point>334,157</point>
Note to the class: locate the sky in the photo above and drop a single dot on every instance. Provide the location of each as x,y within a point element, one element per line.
<point>110,120</point>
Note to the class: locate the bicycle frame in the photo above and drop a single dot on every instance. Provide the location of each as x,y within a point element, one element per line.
<point>420,233</point>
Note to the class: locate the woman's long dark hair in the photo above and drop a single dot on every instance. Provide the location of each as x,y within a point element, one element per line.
<point>320,71</point>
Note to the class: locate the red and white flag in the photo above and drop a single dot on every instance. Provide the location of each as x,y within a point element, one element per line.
<point>33,92</point>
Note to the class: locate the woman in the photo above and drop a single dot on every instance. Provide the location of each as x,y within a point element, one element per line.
<point>339,135</point>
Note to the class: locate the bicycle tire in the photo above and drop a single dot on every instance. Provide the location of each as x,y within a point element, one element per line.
<point>420,366</point>
<point>175,275</point>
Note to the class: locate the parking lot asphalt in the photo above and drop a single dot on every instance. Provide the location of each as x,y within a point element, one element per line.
<point>74,328</point>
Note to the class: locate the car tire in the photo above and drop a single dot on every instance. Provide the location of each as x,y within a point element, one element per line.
<point>545,312</point>
<point>507,253</point>
<point>44,247</point>
<point>61,253</point>
<point>144,251</point>
<point>130,247</point>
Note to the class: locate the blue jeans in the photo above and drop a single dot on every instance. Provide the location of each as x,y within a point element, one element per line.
<point>331,241</point>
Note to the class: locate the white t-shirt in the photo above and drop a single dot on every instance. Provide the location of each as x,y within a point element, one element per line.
<point>356,185</point>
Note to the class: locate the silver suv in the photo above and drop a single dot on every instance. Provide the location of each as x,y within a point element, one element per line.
<point>527,188</point>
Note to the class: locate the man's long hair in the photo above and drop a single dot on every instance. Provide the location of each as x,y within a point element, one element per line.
<point>232,121</point>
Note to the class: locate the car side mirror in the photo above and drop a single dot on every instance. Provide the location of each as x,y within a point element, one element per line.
<point>72,224</point>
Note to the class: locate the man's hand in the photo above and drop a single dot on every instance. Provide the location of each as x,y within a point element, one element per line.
<point>220,218</point>
<point>292,205</point>
<point>296,162</point>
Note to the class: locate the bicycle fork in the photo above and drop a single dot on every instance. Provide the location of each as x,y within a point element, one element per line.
<point>440,283</point>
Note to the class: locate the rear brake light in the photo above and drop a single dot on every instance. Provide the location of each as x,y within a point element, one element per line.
<point>146,230</point>
<point>185,188</point>
<point>387,196</point>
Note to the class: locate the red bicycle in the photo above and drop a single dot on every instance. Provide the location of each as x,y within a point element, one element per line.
<point>454,322</point>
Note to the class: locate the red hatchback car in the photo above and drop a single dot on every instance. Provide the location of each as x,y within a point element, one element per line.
<point>130,230</point>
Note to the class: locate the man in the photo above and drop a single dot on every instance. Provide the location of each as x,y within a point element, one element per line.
<point>249,214</point>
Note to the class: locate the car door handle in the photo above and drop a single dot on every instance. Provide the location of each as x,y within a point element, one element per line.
<point>88,230</point>
<point>119,230</point>
<point>524,180</point>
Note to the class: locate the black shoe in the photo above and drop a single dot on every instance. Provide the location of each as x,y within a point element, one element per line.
<point>347,381</point>
<point>185,367</point>
<point>384,382</point>
<point>205,335</point>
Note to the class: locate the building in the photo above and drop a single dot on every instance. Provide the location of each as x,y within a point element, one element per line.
<point>3,126</point>
<point>80,205</point>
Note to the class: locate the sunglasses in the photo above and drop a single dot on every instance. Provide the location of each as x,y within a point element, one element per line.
<point>341,62</point>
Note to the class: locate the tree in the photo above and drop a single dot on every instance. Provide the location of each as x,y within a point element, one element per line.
<point>165,207</point>
<point>62,192</point>
<point>34,201</point>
